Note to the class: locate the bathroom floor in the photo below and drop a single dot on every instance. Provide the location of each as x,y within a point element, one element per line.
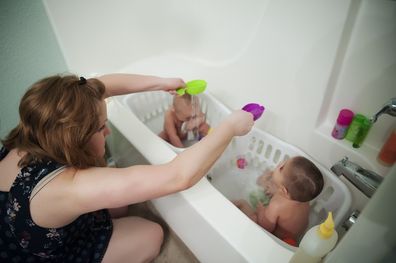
<point>173,249</point>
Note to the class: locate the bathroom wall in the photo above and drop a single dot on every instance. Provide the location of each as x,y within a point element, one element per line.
<point>29,51</point>
<point>304,60</point>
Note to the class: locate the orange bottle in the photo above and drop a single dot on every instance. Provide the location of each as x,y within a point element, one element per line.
<point>387,155</point>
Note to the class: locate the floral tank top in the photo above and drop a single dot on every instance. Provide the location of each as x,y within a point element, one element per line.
<point>21,240</point>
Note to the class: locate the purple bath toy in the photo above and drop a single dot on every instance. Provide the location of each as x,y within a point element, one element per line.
<point>255,109</point>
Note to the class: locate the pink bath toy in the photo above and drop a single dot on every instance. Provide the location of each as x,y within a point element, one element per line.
<point>255,109</point>
<point>241,163</point>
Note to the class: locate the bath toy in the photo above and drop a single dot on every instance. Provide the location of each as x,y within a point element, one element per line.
<point>255,109</point>
<point>259,196</point>
<point>241,163</point>
<point>193,87</point>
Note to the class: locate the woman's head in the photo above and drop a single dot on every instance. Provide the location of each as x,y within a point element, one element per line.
<point>61,118</point>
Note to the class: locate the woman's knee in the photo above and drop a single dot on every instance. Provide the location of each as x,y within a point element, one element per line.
<point>154,238</point>
<point>157,235</point>
<point>134,237</point>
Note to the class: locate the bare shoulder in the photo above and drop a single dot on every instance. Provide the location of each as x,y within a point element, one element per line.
<point>59,208</point>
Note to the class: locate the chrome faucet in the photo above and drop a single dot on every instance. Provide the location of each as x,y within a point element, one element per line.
<point>389,108</point>
<point>366,181</point>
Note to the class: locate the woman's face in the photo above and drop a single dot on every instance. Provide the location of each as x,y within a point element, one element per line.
<point>97,141</point>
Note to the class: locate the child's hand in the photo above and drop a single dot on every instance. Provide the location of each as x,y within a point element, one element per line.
<point>241,122</point>
<point>194,122</point>
<point>240,203</point>
<point>266,182</point>
<point>264,178</point>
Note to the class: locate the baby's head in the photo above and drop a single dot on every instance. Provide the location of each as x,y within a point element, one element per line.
<point>182,107</point>
<point>299,178</point>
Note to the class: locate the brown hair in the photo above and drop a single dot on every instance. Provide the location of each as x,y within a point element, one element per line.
<point>58,116</point>
<point>303,180</point>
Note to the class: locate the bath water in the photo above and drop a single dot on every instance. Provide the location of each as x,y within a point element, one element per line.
<point>193,135</point>
<point>194,115</point>
<point>235,183</point>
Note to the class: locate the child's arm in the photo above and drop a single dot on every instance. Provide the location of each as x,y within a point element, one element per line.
<point>267,217</point>
<point>204,129</point>
<point>246,209</point>
<point>170,130</point>
<point>200,122</point>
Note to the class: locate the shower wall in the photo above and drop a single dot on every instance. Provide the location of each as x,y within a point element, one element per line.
<point>303,60</point>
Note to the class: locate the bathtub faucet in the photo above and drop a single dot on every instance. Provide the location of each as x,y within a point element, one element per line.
<point>366,181</point>
<point>389,108</point>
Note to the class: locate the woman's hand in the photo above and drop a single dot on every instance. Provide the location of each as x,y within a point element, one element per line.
<point>171,84</point>
<point>241,122</point>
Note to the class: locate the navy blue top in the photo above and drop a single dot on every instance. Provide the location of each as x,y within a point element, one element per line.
<point>21,240</point>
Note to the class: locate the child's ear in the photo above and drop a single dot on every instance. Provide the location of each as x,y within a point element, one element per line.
<point>284,191</point>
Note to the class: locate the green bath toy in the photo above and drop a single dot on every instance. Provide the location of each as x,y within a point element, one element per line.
<point>258,196</point>
<point>193,87</point>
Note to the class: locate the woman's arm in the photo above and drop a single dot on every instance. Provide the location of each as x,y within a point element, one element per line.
<point>119,84</point>
<point>97,188</point>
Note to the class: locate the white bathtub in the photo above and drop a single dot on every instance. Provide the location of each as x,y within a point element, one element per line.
<point>202,216</point>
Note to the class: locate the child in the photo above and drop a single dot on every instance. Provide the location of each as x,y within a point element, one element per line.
<point>178,121</point>
<point>292,185</point>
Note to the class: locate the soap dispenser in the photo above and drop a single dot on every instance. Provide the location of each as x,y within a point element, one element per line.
<point>316,243</point>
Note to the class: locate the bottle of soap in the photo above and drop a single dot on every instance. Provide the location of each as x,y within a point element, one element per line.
<point>387,155</point>
<point>316,243</point>
<point>358,130</point>
<point>344,119</point>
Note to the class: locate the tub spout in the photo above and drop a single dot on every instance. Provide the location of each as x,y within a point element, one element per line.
<point>388,108</point>
<point>365,180</point>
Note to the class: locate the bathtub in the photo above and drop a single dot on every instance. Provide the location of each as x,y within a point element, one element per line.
<point>203,216</point>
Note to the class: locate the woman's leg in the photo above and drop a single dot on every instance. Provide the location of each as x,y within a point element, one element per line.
<point>134,239</point>
<point>118,212</point>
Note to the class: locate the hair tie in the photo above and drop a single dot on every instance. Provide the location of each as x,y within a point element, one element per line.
<point>82,81</point>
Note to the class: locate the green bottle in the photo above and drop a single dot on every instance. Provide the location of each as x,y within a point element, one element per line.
<point>358,130</point>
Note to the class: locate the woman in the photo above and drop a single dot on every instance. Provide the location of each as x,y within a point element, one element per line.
<point>57,197</point>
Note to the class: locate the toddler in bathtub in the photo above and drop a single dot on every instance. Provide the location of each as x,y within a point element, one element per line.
<point>178,121</point>
<point>292,184</point>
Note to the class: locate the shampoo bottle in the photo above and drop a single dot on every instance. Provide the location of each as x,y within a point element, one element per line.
<point>387,155</point>
<point>316,243</point>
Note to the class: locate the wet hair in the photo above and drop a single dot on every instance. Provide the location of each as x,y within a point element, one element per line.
<point>58,116</point>
<point>181,101</point>
<point>186,98</point>
<point>303,180</point>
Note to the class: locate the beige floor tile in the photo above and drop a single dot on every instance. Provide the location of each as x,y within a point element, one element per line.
<point>173,249</point>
